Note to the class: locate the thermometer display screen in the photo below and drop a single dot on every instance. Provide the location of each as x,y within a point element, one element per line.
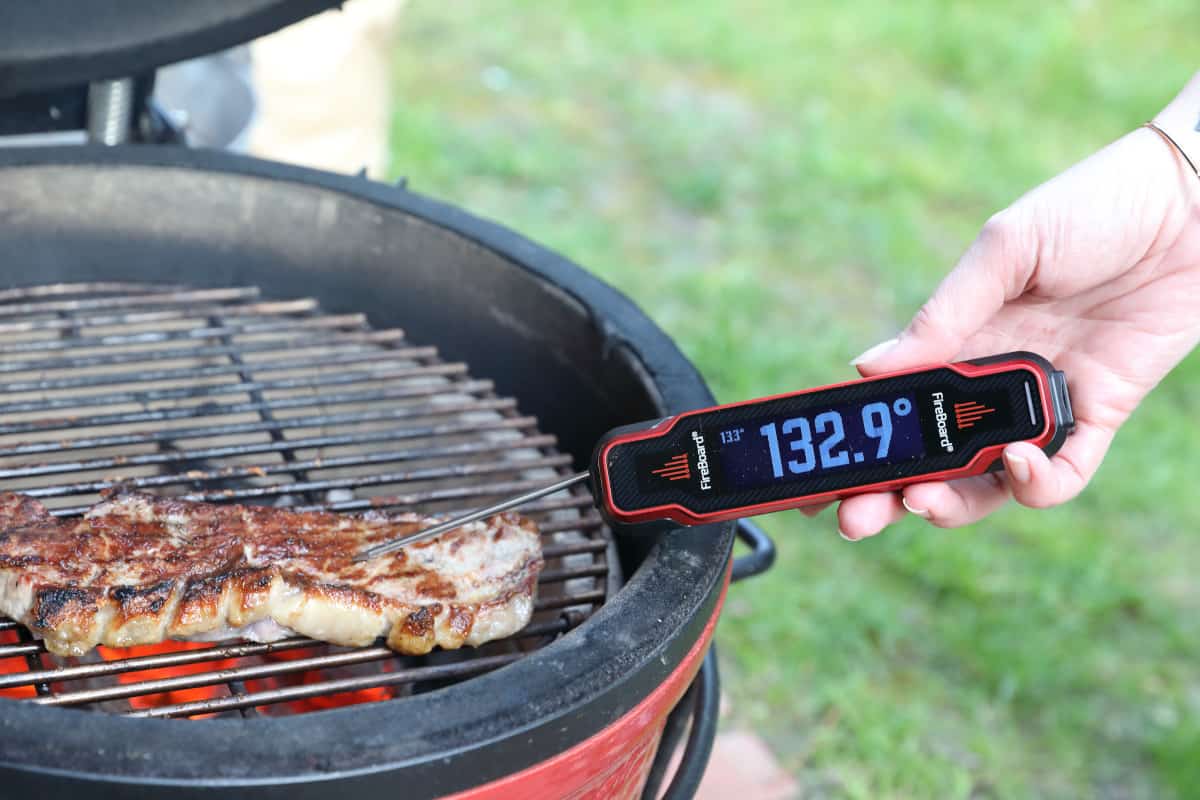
<point>795,446</point>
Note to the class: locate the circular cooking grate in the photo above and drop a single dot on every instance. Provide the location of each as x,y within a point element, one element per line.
<point>220,396</point>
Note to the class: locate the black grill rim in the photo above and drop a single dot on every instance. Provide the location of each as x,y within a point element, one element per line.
<point>447,740</point>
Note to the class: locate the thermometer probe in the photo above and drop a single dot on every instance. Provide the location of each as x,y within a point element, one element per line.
<point>875,434</point>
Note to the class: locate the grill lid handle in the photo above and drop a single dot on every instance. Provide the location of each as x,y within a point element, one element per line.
<point>761,555</point>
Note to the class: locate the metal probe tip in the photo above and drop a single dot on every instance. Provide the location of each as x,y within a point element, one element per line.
<point>465,519</point>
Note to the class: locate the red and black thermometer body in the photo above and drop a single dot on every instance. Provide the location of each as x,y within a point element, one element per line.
<point>871,435</point>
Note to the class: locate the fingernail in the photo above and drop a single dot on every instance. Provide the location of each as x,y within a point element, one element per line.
<point>920,512</point>
<point>844,536</point>
<point>875,352</point>
<point>1018,467</point>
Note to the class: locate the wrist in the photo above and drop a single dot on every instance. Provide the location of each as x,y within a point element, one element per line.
<point>1180,120</point>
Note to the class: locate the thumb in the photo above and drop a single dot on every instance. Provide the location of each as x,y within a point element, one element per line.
<point>994,270</point>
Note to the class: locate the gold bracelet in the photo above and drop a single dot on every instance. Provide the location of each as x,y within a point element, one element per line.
<point>1166,136</point>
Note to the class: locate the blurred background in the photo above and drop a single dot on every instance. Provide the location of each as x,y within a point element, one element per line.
<point>780,185</point>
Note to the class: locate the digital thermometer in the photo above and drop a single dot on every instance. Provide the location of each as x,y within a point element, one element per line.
<point>870,435</point>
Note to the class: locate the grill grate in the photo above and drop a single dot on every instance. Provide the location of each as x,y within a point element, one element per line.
<point>219,395</point>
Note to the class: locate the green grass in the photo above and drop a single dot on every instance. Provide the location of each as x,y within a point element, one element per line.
<point>780,185</point>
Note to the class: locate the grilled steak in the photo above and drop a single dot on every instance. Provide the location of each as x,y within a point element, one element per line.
<point>137,569</point>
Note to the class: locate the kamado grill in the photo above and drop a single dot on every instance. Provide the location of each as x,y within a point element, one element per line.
<point>226,329</point>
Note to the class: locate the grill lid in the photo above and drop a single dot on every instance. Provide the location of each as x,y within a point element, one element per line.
<point>50,44</point>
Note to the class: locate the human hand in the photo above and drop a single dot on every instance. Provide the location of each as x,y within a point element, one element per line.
<point>1097,270</point>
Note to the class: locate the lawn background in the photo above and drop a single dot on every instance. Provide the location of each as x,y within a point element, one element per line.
<point>780,185</point>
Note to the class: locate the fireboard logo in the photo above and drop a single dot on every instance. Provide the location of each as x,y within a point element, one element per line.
<point>676,468</point>
<point>702,461</point>
<point>939,417</point>
<point>967,414</point>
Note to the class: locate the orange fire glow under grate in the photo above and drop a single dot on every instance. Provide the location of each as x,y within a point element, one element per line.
<point>200,693</point>
<point>14,665</point>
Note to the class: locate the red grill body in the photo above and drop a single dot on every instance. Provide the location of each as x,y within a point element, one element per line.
<point>614,763</point>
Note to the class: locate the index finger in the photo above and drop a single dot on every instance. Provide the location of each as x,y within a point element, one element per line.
<point>994,269</point>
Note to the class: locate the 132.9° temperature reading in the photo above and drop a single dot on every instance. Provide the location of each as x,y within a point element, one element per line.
<point>800,445</point>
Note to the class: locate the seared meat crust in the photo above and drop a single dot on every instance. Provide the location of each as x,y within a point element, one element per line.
<point>137,569</point>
